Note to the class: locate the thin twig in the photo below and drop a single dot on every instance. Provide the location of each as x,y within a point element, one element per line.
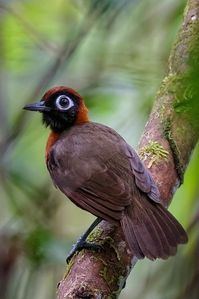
<point>61,60</point>
<point>29,28</point>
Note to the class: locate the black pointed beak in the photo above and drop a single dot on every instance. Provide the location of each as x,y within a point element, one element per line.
<point>39,106</point>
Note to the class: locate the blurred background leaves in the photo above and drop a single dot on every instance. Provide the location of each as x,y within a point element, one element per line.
<point>115,54</point>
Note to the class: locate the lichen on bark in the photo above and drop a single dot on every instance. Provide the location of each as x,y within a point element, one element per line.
<point>154,151</point>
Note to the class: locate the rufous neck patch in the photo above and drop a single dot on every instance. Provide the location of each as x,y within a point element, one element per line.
<point>52,138</point>
<point>82,115</point>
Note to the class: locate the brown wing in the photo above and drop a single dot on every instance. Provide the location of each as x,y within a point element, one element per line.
<point>143,178</point>
<point>97,170</point>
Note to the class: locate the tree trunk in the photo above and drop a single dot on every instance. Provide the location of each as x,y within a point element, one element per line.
<point>170,135</point>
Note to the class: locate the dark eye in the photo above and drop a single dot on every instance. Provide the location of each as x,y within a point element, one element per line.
<point>64,103</point>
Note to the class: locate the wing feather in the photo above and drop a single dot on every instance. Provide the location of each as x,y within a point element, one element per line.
<point>102,173</point>
<point>94,167</point>
<point>143,178</point>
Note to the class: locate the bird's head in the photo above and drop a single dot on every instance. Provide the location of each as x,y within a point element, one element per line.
<point>61,107</point>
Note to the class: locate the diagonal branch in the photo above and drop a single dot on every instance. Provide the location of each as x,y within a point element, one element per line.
<point>40,40</point>
<point>170,135</point>
<point>62,59</point>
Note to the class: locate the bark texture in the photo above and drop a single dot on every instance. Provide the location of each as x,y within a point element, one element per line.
<point>170,135</point>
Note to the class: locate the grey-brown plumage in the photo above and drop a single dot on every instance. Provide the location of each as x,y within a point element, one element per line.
<point>94,166</point>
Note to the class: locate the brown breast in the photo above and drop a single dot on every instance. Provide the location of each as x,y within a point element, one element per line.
<point>52,138</point>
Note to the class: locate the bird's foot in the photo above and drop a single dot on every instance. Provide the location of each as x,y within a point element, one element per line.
<point>82,245</point>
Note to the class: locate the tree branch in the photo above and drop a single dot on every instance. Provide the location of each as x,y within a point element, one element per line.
<point>62,58</point>
<point>40,40</point>
<point>169,137</point>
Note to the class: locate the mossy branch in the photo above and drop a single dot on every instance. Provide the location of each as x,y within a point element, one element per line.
<point>170,135</point>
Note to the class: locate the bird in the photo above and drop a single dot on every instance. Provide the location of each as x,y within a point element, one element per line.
<point>101,173</point>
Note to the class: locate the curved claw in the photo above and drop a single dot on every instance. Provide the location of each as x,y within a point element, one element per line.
<point>82,245</point>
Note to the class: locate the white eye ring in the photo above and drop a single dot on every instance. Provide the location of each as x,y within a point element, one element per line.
<point>64,103</point>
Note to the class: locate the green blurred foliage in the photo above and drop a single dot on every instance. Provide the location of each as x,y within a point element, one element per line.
<point>115,54</point>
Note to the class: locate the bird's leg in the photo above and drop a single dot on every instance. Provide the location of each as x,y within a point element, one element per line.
<point>82,243</point>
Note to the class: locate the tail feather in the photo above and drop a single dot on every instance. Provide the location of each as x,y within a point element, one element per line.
<point>151,231</point>
<point>178,230</point>
<point>166,234</point>
<point>147,237</point>
<point>168,240</point>
<point>131,238</point>
<point>162,246</point>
